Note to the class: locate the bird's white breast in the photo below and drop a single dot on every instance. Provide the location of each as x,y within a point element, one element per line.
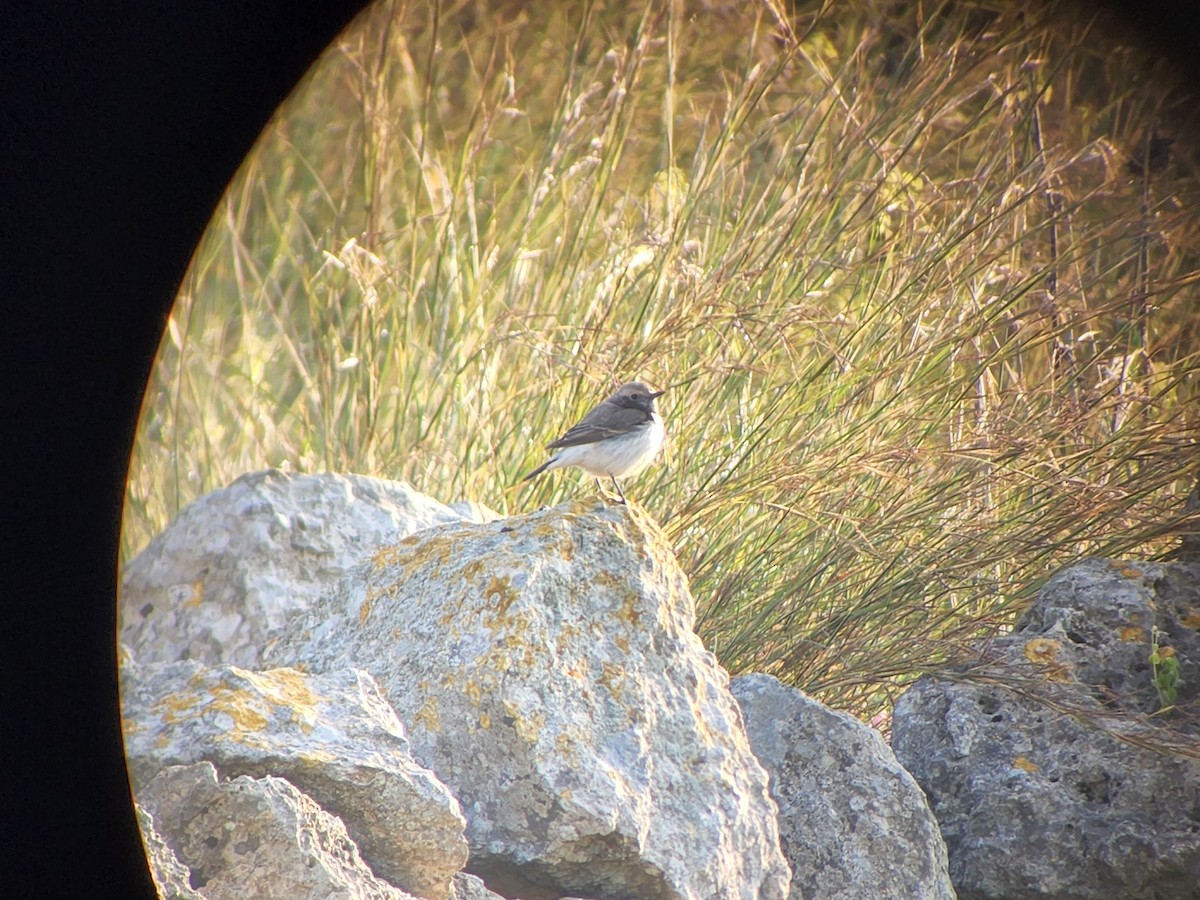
<point>617,457</point>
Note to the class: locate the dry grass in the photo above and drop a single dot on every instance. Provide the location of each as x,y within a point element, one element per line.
<point>927,337</point>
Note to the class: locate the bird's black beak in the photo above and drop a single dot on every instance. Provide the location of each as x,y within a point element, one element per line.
<point>655,394</point>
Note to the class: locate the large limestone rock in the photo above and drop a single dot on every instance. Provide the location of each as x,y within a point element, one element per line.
<point>852,821</point>
<point>235,565</point>
<point>260,838</point>
<point>171,877</point>
<point>548,672</point>
<point>333,736</point>
<point>1045,775</point>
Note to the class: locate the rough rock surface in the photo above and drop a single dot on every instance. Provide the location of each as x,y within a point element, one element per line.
<point>1038,764</point>
<point>169,874</point>
<point>853,823</point>
<point>470,887</point>
<point>227,574</point>
<point>548,672</point>
<point>332,736</point>
<point>258,837</point>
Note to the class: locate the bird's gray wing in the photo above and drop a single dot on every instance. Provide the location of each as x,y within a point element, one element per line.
<point>605,421</point>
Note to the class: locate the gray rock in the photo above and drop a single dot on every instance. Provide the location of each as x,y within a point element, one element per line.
<point>1102,612</point>
<point>853,823</point>
<point>226,575</point>
<point>332,736</point>
<point>473,511</point>
<point>169,874</point>
<point>470,887</point>
<point>1045,777</point>
<point>548,672</point>
<point>260,838</point>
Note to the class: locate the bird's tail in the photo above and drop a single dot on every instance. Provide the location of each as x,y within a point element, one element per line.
<point>536,472</point>
<point>540,469</point>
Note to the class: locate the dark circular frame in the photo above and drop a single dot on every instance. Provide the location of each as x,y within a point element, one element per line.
<point>120,126</point>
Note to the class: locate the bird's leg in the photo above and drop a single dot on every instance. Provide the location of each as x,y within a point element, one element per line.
<point>617,485</point>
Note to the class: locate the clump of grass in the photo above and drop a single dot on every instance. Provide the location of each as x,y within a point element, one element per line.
<point>926,335</point>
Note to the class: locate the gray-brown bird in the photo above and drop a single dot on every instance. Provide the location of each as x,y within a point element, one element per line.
<point>617,439</point>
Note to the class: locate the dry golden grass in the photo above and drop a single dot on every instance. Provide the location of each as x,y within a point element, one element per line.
<point>927,335</point>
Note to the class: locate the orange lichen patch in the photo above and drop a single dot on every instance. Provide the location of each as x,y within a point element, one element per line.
<point>566,746</point>
<point>545,529</point>
<point>428,717</point>
<point>629,611</point>
<point>500,590</point>
<point>368,604</point>
<point>1042,651</point>
<point>1191,620</point>
<point>1132,633</point>
<point>622,643</point>
<point>291,689</point>
<point>578,671</point>
<point>129,726</point>
<point>606,579</point>
<point>566,633</point>
<point>612,677</point>
<point>249,708</point>
<point>520,628</point>
<point>472,569</point>
<point>178,706</point>
<point>1131,572</point>
<point>1026,765</point>
<point>317,757</point>
<point>386,556</point>
<point>474,693</point>
<point>1165,652</point>
<point>244,707</point>
<point>415,550</point>
<point>485,721</point>
<point>197,595</point>
<point>527,727</point>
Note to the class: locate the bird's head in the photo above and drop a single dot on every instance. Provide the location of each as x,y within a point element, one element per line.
<point>635,394</point>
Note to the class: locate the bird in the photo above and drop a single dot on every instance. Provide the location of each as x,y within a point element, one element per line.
<point>617,439</point>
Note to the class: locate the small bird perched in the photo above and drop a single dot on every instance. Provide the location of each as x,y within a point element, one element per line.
<point>618,438</point>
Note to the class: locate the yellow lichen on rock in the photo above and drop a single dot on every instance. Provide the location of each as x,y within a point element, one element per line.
<point>527,727</point>
<point>368,604</point>
<point>290,688</point>
<point>178,706</point>
<point>244,707</point>
<point>427,716</point>
<point>1043,653</point>
<point>500,587</point>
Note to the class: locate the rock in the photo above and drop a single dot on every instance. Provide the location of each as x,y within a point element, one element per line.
<point>169,874</point>
<point>333,736</point>
<point>258,837</point>
<point>853,823</point>
<point>548,672</point>
<point>1044,775</point>
<point>469,887</point>
<point>235,565</point>
<point>1101,612</point>
<point>473,511</point>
